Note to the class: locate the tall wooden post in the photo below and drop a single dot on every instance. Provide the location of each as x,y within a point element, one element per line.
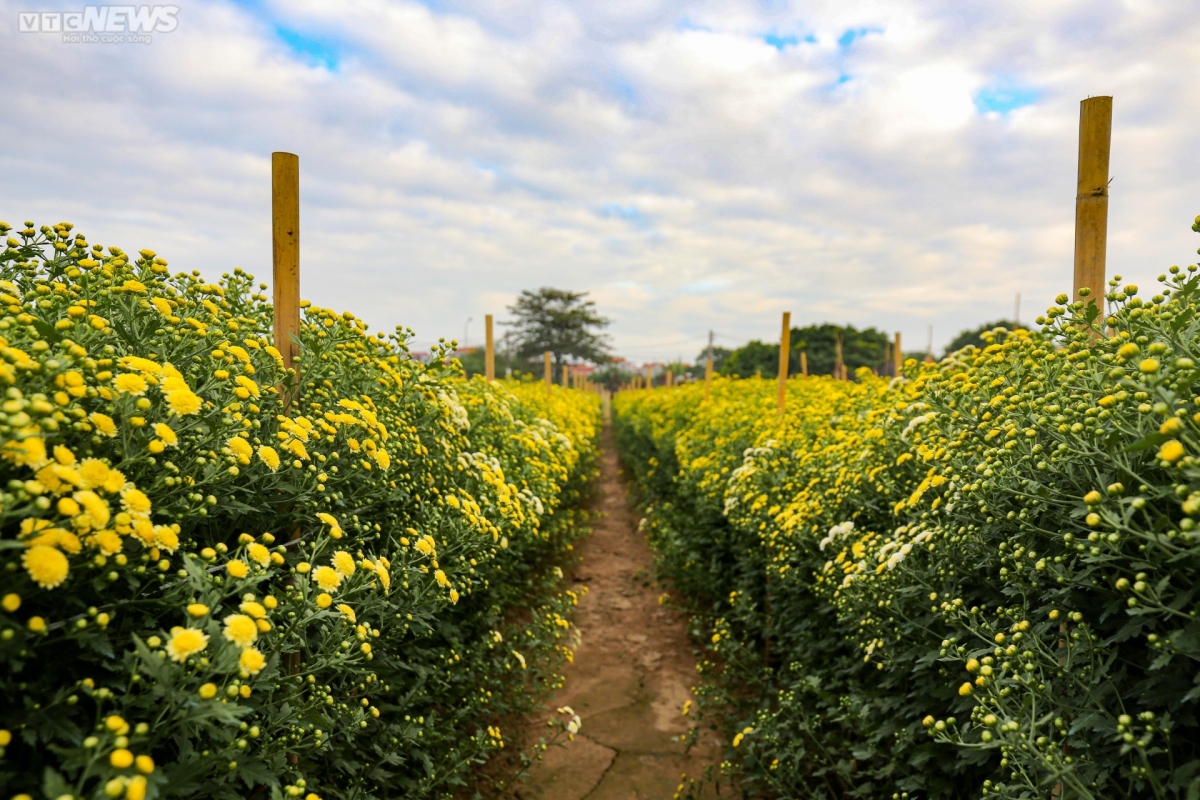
<point>670,378</point>
<point>785,339</point>
<point>489,354</point>
<point>839,369</point>
<point>285,247</point>
<point>1091,198</point>
<point>549,372</point>
<point>707,378</point>
<point>899,356</point>
<point>566,376</point>
<point>804,363</point>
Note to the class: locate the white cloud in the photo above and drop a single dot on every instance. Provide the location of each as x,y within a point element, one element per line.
<point>662,154</point>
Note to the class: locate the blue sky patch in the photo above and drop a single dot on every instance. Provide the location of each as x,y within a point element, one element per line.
<point>780,42</point>
<point>312,49</point>
<point>628,213</point>
<point>854,34</point>
<point>1004,98</point>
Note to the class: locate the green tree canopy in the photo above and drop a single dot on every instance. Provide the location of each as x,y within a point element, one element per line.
<point>560,321</point>
<point>975,335</point>
<point>865,348</point>
<point>719,356</point>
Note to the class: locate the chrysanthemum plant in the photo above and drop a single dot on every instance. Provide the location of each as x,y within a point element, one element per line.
<point>209,594</point>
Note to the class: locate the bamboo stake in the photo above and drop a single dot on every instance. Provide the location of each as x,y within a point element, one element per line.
<point>1091,199</point>
<point>804,363</point>
<point>839,369</point>
<point>707,378</point>
<point>566,376</point>
<point>784,351</point>
<point>899,357</point>
<point>285,274</point>
<point>670,378</point>
<point>489,356</point>
<point>549,372</point>
<point>285,246</point>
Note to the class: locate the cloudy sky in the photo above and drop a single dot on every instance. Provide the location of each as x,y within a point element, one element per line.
<point>693,165</point>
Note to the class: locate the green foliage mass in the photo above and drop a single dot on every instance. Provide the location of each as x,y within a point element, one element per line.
<point>865,348</point>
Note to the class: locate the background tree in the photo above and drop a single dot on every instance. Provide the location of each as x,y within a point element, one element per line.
<point>719,356</point>
<point>975,335</point>
<point>560,321</point>
<point>865,348</point>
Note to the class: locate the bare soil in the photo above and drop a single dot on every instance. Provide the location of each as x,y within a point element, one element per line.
<point>631,676</point>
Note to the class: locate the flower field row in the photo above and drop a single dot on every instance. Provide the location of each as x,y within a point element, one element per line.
<point>978,579</point>
<point>211,590</point>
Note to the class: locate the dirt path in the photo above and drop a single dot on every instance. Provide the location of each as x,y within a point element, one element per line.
<point>631,674</point>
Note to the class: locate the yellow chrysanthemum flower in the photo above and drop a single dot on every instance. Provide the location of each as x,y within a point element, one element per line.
<point>324,600</point>
<point>327,578</point>
<point>185,643</point>
<point>197,609</point>
<point>259,554</point>
<point>46,566</point>
<point>135,501</point>
<point>139,364</point>
<point>129,383</point>
<point>184,402</point>
<point>94,473</point>
<point>343,562</point>
<point>166,538</point>
<point>252,661</point>
<point>237,568</point>
<point>269,457</point>
<point>240,448</point>
<point>166,433</point>
<point>29,451</point>
<point>94,508</point>
<point>107,542</point>
<point>103,423</point>
<point>1171,451</point>
<point>240,629</point>
<point>347,612</point>
<point>245,383</point>
<point>254,609</point>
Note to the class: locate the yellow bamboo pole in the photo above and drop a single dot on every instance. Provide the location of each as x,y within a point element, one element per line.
<point>785,339</point>
<point>285,246</point>
<point>549,372</point>
<point>1091,199</point>
<point>804,363</point>
<point>566,372</point>
<point>489,356</point>
<point>285,279</point>
<point>707,378</point>
<point>670,378</point>
<point>898,356</point>
<point>839,369</point>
